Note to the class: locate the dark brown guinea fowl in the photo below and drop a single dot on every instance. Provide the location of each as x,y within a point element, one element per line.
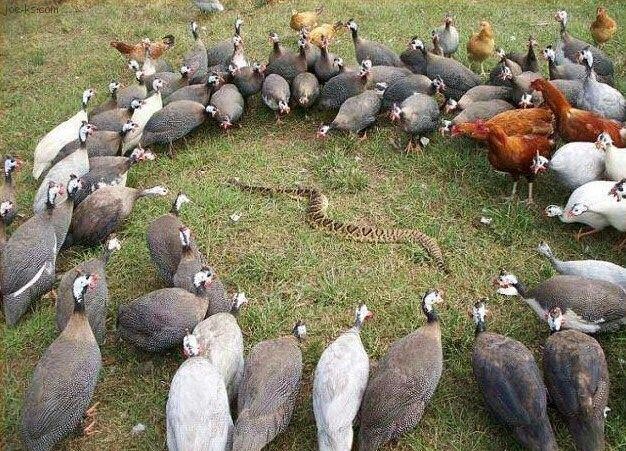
<point>64,380</point>
<point>510,381</point>
<point>577,378</point>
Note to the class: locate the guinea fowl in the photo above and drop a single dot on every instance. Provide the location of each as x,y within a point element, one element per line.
<point>142,115</point>
<point>222,53</point>
<point>527,61</point>
<point>357,113</point>
<point>343,86</point>
<point>569,46</point>
<point>479,110</point>
<point>325,67</point>
<point>268,390</point>
<point>483,93</point>
<point>495,74</point>
<point>588,305</point>
<point>200,93</point>
<point>64,379</point>
<point>172,122</point>
<point>125,95</point>
<point>103,212</point>
<point>600,97</point>
<point>276,93</point>
<point>577,378</point>
<point>417,115</point>
<point>564,71</point>
<point>311,51</point>
<point>457,78</point>
<point>278,50</point>
<point>76,163</point>
<point>511,385</point>
<point>289,65</point>
<point>413,57</point>
<point>406,86</point>
<point>305,89</point>
<point>226,106</point>
<point>163,237</point>
<point>7,215</point>
<point>197,411</point>
<point>159,320</point>
<point>59,136</point>
<point>196,57</point>
<point>448,36</point>
<point>340,380</point>
<point>387,74</point>
<point>28,259</point>
<point>378,54</point>
<point>571,89</point>
<point>173,81</point>
<point>592,269</point>
<point>249,79</point>
<point>114,120</point>
<point>95,300</point>
<point>7,192</point>
<point>111,103</point>
<point>403,382</point>
<point>221,342</point>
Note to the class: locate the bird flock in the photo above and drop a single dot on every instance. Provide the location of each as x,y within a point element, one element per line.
<point>219,399</point>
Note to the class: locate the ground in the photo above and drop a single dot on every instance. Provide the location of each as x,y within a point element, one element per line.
<point>288,270</point>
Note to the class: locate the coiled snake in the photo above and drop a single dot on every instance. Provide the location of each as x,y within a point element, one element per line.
<point>317,218</point>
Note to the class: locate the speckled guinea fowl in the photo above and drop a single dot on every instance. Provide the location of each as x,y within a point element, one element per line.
<point>196,57</point>
<point>526,60</point>
<point>171,81</point>
<point>163,237</point>
<point>387,74</point>
<point>577,378</point>
<point>592,269</point>
<point>125,95</point>
<point>413,57</point>
<point>305,90</point>
<point>343,86</point>
<point>481,109</point>
<point>495,78</point>
<point>248,79</point>
<point>221,342</point>
<point>226,106</point>
<point>276,94</point>
<point>103,212</point>
<point>338,385</point>
<point>197,412</point>
<point>114,120</point>
<point>64,379</point>
<point>403,88</point>
<point>457,78</point>
<point>571,89</point>
<point>7,191</point>
<point>312,52</point>
<point>200,93</point>
<point>597,95</point>
<point>268,391</point>
<point>277,48</point>
<point>510,382</point>
<point>289,64</point>
<point>567,70</point>
<point>95,300</point>
<point>28,260</point>
<point>222,53</point>
<point>111,102</point>
<point>416,115</point>
<point>484,93</point>
<point>357,113</point>
<point>325,67</point>
<point>588,305</point>
<point>159,320</point>
<point>378,54</point>
<point>7,215</point>
<point>403,382</point>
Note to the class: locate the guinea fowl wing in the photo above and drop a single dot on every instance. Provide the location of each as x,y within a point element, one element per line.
<point>90,227</point>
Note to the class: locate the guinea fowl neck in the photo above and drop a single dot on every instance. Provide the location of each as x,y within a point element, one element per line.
<point>480,327</point>
<point>8,177</point>
<point>355,34</point>
<point>431,315</point>
<point>521,288</point>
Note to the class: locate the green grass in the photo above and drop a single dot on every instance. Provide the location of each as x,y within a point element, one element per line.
<point>288,270</point>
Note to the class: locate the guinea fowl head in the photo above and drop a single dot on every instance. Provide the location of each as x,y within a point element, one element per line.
<point>194,29</point>
<point>136,103</point>
<point>395,114</point>
<point>361,314</point>
<point>526,101</point>
<point>450,106</point>
<point>604,141</point>
<point>555,319</point>
<point>129,126</point>
<point>211,110</point>
<point>380,88</point>
<point>258,68</point>
<point>81,284</point>
<point>338,61</point>
<point>322,131</point>
<point>618,190</point>
<point>430,298</point>
<point>366,68</point>
<point>157,85</point>
<point>191,347</point>
<point>181,199</point>
<point>185,71</point>
<point>352,25</point>
<point>54,189</point>
<point>438,84</point>
<point>505,73</point>
<point>184,235</point>
<point>134,66</point>
<point>237,42</point>
<point>540,164</point>
<point>239,300</point>
<point>552,211</point>
<point>11,164</point>
<point>203,279</point>
<point>74,185</point>
<point>549,54</point>
<point>274,38</point>
<point>87,95</point>
<point>7,212</point>
<point>448,19</point>
<point>114,86</point>
<point>283,107</point>
<point>507,284</point>
<point>215,79</point>
<point>561,17</point>
<point>544,249</point>
<point>479,313</point>
<point>86,129</point>
<point>299,330</point>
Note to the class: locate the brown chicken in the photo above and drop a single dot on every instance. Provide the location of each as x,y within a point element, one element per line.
<point>308,19</point>
<point>603,28</point>
<point>325,30</point>
<point>528,121</point>
<point>514,154</point>
<point>138,51</point>
<point>481,45</point>
<point>577,125</point>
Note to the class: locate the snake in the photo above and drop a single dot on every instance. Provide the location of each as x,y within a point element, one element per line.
<point>317,218</point>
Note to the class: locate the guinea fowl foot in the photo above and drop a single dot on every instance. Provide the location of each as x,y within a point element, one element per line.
<point>621,244</point>
<point>362,138</point>
<point>578,235</point>
<point>171,151</point>
<point>91,412</point>
<point>52,295</point>
<point>90,429</point>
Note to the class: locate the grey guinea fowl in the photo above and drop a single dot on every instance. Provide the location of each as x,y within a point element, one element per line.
<point>276,94</point>
<point>289,65</point>
<point>325,67</point>
<point>196,57</point>
<point>405,87</point>
<point>343,86</point>
<point>114,120</point>
<point>403,382</point>
<point>268,391</point>
<point>7,191</point>
<point>482,109</point>
<point>588,305</point>
<point>600,97</point>
<point>357,113</point>
<point>125,95</point>
<point>28,260</point>
<point>221,342</point>
<point>566,70</point>
<point>413,57</point>
<point>526,60</point>
<point>95,300</point>
<point>226,106</point>
<point>64,379</point>
<point>378,54</point>
<point>305,90</point>
<point>248,79</point>
<point>484,93</point>
<point>222,53</point>
<point>571,89</point>
<point>159,320</point>
<point>277,48</point>
<point>163,237</point>
<point>7,215</point>
<point>171,81</point>
<point>457,78</point>
<point>311,51</point>
<point>340,380</point>
<point>200,93</point>
<point>495,74</point>
<point>417,115</point>
<point>387,74</point>
<point>103,212</point>
<point>592,269</point>
<point>510,382</point>
<point>111,102</point>
<point>197,412</point>
<point>577,378</point>
<point>448,36</point>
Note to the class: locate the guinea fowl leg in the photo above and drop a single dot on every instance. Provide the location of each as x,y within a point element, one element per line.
<point>90,414</point>
<point>278,119</point>
<point>513,193</point>
<point>530,200</point>
<point>482,69</point>
<point>363,137</point>
<point>581,234</point>
<point>171,150</point>
<point>621,244</point>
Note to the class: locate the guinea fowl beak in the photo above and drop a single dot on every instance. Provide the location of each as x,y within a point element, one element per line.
<point>93,281</point>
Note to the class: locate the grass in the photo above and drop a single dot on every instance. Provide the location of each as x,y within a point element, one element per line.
<point>288,270</point>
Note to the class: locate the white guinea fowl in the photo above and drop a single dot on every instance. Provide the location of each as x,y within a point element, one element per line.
<point>615,158</point>
<point>142,115</point>
<point>197,411</point>
<point>573,164</point>
<point>340,379</point>
<point>221,343</point>
<point>59,136</point>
